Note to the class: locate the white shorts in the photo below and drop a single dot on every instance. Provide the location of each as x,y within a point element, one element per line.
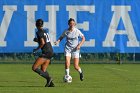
<point>73,54</point>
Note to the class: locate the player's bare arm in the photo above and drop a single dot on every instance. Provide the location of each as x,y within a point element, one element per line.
<point>81,43</point>
<point>40,45</point>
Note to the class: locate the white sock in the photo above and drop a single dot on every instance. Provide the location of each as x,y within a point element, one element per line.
<point>79,70</point>
<point>67,71</point>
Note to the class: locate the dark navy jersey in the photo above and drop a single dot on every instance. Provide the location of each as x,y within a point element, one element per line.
<point>47,48</point>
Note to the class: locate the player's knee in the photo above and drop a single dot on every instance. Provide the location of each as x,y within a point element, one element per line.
<point>34,68</point>
<point>43,69</point>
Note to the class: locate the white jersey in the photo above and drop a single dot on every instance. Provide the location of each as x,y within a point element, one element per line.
<point>72,39</point>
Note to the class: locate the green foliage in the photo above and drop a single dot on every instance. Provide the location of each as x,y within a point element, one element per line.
<point>85,57</point>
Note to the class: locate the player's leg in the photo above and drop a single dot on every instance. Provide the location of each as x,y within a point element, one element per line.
<point>45,65</point>
<point>39,61</point>
<point>67,63</point>
<point>49,79</point>
<point>47,57</point>
<point>75,57</point>
<point>36,69</point>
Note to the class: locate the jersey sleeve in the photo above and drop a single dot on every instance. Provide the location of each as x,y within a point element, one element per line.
<point>40,35</point>
<point>80,34</point>
<point>46,30</point>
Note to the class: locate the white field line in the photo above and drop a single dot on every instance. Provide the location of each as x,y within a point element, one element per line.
<point>117,69</point>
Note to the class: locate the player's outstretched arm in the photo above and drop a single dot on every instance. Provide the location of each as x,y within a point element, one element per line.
<point>81,43</point>
<point>57,42</point>
<point>60,38</point>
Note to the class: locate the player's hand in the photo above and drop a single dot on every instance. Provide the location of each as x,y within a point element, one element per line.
<point>35,39</point>
<point>34,51</point>
<point>78,47</point>
<point>56,42</point>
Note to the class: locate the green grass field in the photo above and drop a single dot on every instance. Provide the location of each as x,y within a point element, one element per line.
<point>99,78</point>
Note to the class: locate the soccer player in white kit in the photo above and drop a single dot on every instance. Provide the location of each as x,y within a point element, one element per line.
<point>72,46</point>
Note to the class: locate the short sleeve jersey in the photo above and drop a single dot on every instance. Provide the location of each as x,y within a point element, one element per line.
<point>72,38</point>
<point>44,34</point>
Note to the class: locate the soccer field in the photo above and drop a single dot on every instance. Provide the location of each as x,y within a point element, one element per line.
<point>99,78</point>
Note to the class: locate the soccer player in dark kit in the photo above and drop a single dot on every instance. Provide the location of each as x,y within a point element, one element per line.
<point>47,52</point>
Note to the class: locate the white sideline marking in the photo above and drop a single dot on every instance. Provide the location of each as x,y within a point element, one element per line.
<point>117,69</point>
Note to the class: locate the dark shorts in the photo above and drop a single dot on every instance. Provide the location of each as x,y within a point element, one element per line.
<point>47,55</point>
<point>47,51</point>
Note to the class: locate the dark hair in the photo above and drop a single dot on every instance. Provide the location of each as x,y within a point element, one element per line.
<point>71,19</point>
<point>39,22</point>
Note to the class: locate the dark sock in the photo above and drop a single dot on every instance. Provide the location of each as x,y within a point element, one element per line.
<point>43,74</point>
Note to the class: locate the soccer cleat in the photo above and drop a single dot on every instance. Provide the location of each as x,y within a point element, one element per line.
<point>49,83</point>
<point>81,76</point>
